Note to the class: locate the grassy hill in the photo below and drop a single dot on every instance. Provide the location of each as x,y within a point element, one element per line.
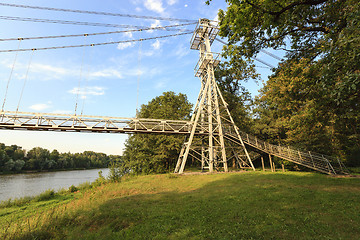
<point>248,205</point>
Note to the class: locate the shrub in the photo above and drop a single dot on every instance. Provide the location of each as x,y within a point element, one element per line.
<point>84,186</point>
<point>99,181</point>
<point>47,195</point>
<point>115,174</point>
<point>72,189</point>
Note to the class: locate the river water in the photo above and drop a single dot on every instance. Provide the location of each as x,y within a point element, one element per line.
<point>32,184</point>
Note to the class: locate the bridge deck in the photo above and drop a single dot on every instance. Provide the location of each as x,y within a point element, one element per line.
<point>73,123</point>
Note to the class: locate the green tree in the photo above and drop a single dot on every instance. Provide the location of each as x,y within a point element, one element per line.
<point>9,165</point>
<point>146,153</point>
<point>19,164</point>
<point>312,100</point>
<point>230,81</point>
<point>39,158</point>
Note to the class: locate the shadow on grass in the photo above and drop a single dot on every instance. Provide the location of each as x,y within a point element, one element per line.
<point>239,206</point>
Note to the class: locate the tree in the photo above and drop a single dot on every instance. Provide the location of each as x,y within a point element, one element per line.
<point>229,80</point>
<point>312,100</point>
<point>39,158</point>
<point>145,153</point>
<point>19,164</point>
<point>9,165</point>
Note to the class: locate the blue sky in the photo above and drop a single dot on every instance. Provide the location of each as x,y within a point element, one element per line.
<point>108,75</point>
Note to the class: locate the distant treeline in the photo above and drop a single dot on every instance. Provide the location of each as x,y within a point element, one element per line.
<point>15,159</point>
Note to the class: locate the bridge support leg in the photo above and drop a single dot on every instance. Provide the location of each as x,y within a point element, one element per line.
<point>262,163</point>
<point>271,163</point>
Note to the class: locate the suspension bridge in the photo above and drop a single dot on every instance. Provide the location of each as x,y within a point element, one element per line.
<point>211,135</point>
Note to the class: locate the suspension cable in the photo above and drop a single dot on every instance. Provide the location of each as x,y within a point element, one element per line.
<point>96,44</point>
<point>138,79</point>
<point>167,28</point>
<point>26,76</point>
<point>11,72</point>
<point>41,20</point>
<point>81,67</point>
<point>87,78</point>
<point>96,12</point>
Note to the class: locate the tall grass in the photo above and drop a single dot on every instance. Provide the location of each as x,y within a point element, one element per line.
<point>217,206</point>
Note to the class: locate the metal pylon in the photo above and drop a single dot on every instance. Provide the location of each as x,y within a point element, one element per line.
<point>211,119</point>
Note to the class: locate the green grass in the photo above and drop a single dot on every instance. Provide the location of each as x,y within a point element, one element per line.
<point>248,205</point>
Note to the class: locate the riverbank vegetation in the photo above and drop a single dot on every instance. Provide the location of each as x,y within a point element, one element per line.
<point>311,101</point>
<point>199,206</point>
<point>15,159</point>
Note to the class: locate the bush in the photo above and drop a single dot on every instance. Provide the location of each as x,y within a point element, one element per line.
<point>115,174</point>
<point>84,186</point>
<point>99,181</point>
<point>72,189</point>
<point>47,195</point>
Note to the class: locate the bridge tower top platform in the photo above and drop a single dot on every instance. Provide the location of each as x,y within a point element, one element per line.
<point>203,28</point>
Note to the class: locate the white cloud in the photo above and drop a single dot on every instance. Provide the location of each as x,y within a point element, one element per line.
<point>156,45</point>
<point>155,24</point>
<point>181,51</point>
<point>148,53</point>
<point>185,5</point>
<point>160,85</point>
<point>171,2</point>
<point>40,106</point>
<point>124,45</point>
<point>106,73</point>
<point>39,67</point>
<point>138,9</point>
<point>128,34</point>
<point>85,91</point>
<point>154,5</point>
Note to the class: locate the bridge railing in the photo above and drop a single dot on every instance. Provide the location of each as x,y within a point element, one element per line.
<point>320,162</point>
<point>67,122</point>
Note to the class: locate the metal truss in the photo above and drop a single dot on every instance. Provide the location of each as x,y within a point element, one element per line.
<point>84,123</point>
<point>211,112</point>
<point>71,123</point>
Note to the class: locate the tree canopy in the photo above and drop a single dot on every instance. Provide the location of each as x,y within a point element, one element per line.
<point>312,99</point>
<point>15,159</point>
<point>145,153</point>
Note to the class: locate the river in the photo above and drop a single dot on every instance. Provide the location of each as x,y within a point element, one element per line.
<point>32,184</point>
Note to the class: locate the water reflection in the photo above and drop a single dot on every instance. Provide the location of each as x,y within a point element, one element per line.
<point>32,184</point>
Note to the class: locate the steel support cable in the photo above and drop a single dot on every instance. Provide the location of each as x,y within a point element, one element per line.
<point>87,78</point>
<point>138,79</point>
<point>26,19</point>
<point>26,77</point>
<point>270,54</point>
<point>8,82</point>
<point>96,44</point>
<point>256,59</point>
<point>79,84</point>
<point>96,12</point>
<point>167,28</point>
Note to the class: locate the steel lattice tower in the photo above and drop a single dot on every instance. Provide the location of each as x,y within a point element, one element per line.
<point>211,120</point>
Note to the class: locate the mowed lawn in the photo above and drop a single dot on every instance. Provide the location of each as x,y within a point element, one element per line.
<point>246,205</point>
